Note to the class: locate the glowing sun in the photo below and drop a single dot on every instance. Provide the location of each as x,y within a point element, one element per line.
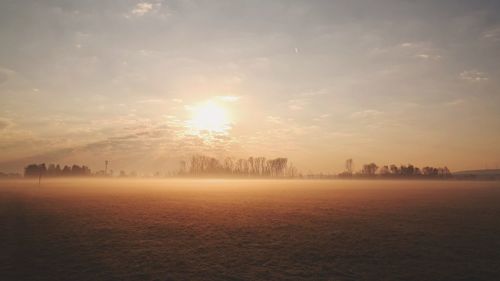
<point>209,117</point>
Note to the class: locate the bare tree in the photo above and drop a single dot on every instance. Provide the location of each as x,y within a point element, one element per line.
<point>348,166</point>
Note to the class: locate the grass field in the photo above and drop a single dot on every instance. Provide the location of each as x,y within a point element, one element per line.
<point>249,230</point>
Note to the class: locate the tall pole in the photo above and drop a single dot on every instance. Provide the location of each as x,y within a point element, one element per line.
<point>106,167</point>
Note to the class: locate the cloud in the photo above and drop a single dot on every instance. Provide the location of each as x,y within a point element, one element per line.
<point>315,93</point>
<point>229,98</point>
<point>420,50</point>
<point>322,117</point>
<point>143,8</point>
<point>492,34</point>
<point>297,104</point>
<point>428,57</point>
<point>455,102</point>
<point>152,146</point>
<point>407,45</point>
<point>151,101</point>
<point>368,113</point>
<point>473,76</point>
<point>274,119</point>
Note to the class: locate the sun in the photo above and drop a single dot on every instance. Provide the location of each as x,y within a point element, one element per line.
<point>209,117</point>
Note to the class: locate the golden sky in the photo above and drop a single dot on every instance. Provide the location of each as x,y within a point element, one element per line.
<point>145,84</point>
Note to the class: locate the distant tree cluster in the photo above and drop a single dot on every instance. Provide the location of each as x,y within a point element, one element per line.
<point>53,170</point>
<point>201,165</point>
<point>393,171</point>
<point>412,171</point>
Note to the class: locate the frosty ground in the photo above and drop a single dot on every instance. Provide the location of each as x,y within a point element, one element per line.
<point>86,229</point>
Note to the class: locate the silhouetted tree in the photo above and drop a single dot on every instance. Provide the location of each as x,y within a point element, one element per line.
<point>369,169</point>
<point>66,171</point>
<point>32,171</point>
<point>384,171</point>
<point>394,170</point>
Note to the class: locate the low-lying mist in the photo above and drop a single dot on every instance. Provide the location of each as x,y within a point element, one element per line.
<point>219,229</point>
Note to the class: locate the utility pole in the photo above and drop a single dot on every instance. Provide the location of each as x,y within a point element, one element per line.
<point>106,162</point>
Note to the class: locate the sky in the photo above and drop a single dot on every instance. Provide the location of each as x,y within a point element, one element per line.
<point>316,81</point>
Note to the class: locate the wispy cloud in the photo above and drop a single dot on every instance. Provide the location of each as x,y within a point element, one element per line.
<point>274,119</point>
<point>473,76</point>
<point>151,101</point>
<point>418,50</point>
<point>492,34</point>
<point>422,50</point>
<point>229,98</point>
<point>143,8</point>
<point>428,56</point>
<point>455,102</point>
<point>368,113</point>
<point>297,104</point>
<point>315,93</point>
<point>408,45</point>
<point>321,117</point>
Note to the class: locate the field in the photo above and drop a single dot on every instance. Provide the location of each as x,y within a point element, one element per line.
<point>77,229</point>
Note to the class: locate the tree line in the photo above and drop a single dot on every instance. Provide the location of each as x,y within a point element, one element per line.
<point>55,170</point>
<point>394,171</point>
<point>202,165</point>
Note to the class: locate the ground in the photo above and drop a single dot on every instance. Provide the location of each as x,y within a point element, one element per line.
<point>78,229</point>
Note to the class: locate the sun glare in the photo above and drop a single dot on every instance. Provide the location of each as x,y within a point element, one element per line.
<point>209,117</point>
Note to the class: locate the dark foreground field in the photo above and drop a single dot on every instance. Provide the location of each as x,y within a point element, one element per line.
<point>249,230</point>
